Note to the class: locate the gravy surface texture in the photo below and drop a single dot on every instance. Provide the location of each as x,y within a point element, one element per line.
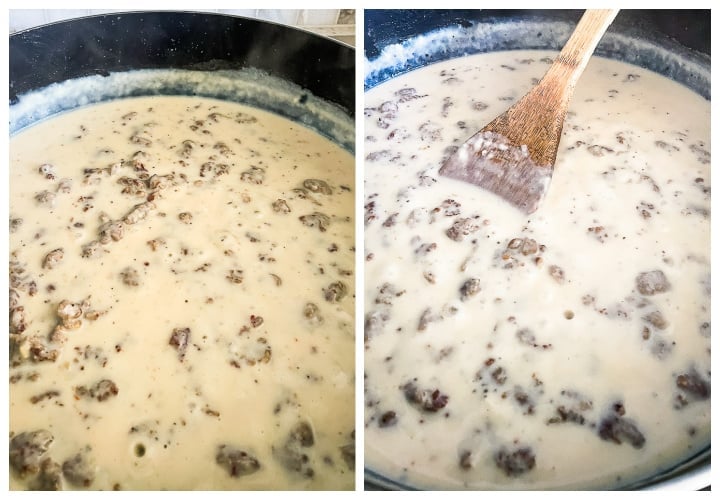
<point>567,349</point>
<point>181,300</point>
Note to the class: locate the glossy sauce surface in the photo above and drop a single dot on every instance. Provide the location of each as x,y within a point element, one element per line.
<point>182,276</point>
<point>566,349</point>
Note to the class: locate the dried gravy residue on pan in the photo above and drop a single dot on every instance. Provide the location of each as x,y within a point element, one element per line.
<point>662,56</point>
<point>249,86</point>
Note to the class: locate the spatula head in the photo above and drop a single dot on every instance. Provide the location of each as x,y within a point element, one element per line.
<point>491,162</point>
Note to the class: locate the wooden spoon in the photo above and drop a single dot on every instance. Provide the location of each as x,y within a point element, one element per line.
<point>514,155</point>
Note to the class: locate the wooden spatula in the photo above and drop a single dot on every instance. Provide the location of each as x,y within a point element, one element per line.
<point>514,155</point>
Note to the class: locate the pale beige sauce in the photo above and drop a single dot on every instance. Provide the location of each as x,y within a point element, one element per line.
<point>242,382</point>
<point>630,194</point>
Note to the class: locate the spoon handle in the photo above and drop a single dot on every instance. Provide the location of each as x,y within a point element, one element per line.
<point>537,118</point>
<point>514,155</point>
<point>576,53</point>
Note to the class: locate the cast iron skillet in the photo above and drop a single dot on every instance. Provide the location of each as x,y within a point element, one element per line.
<point>691,28</point>
<point>141,40</point>
<point>682,32</point>
<point>111,43</point>
<point>678,46</point>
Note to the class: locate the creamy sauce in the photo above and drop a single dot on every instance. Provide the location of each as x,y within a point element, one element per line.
<point>182,309</point>
<point>567,349</point>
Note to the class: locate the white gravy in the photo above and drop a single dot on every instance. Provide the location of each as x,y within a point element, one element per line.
<point>213,285</point>
<point>566,349</point>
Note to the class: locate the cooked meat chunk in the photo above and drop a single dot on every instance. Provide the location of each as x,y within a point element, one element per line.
<point>316,219</point>
<point>15,224</point>
<point>317,186</point>
<point>111,231</point>
<point>461,228</point>
<point>39,351</point>
<point>529,246</point>
<point>47,171</point>
<point>466,460</point>
<point>449,208</point>
<point>312,312</point>
<point>79,469</point>
<point>613,426</point>
<point>391,220</point>
<point>335,291</point>
<point>130,276</point>
<point>17,320</point>
<point>693,384</point>
<point>185,217</point>
<point>46,198</point>
<point>302,434</point>
<point>557,273</point>
<point>388,419</point>
<point>499,375</point>
<point>656,319</point>
<point>53,258</point>
<point>567,415</point>
<point>70,314</point>
<point>133,186</point>
<point>515,462</point>
<point>37,398</point>
<point>387,294</point>
<point>27,450</point>
<point>430,400</point>
<point>49,478</point>
<point>293,453</point>
<point>425,318</point>
<point>253,175</point>
<point>370,212</point>
<point>280,206</point>
<point>469,288</point>
<point>235,276</point>
<point>138,213</point>
<point>179,340</point>
<point>652,282</point>
<point>91,249</point>
<point>425,248</point>
<point>235,461</point>
<point>375,322</point>
<point>102,390</point>
<point>526,336</point>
